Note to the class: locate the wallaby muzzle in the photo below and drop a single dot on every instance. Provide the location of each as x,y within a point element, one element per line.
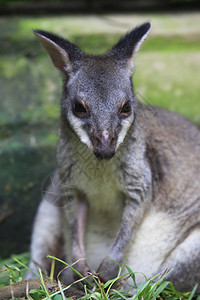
<point>104,146</point>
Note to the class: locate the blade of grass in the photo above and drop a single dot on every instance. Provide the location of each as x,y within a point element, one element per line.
<point>70,266</point>
<point>100,285</point>
<point>24,266</point>
<point>143,288</point>
<point>132,274</point>
<point>108,285</point>
<point>61,290</point>
<point>160,289</point>
<point>193,292</point>
<point>52,269</point>
<point>120,294</point>
<point>43,284</point>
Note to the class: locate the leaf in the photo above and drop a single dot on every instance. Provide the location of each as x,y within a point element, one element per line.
<point>193,292</point>
<point>132,274</point>
<point>143,288</point>
<point>160,289</point>
<point>110,282</point>
<point>12,268</point>
<point>57,297</point>
<point>37,292</point>
<point>120,294</point>
<point>96,296</point>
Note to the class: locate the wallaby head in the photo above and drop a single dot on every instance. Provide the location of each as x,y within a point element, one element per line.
<point>98,100</point>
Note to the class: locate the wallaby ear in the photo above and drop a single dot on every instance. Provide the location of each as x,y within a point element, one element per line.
<point>62,52</point>
<point>128,45</point>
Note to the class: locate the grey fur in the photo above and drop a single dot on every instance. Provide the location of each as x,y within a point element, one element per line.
<point>128,180</point>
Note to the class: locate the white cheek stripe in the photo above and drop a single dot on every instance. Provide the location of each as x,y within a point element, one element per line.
<point>77,126</point>
<point>125,127</point>
<point>82,134</point>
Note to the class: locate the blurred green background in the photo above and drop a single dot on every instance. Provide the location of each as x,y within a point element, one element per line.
<point>167,74</point>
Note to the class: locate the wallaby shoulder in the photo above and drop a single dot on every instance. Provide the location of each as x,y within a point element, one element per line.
<point>168,132</point>
<point>172,147</point>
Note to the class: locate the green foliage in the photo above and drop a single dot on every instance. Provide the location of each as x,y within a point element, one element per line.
<point>15,273</point>
<point>154,288</point>
<point>12,269</point>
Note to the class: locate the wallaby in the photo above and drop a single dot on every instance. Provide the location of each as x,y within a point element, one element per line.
<point>127,185</point>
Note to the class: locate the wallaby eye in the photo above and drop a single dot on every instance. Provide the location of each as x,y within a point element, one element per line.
<point>79,109</point>
<point>126,109</point>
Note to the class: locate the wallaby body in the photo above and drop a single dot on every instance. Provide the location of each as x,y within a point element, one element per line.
<point>127,186</point>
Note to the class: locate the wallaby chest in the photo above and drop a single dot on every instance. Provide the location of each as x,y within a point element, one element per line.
<point>106,183</point>
<point>99,181</point>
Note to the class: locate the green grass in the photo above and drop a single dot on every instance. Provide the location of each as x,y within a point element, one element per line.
<point>157,287</point>
<point>18,270</point>
<point>171,81</point>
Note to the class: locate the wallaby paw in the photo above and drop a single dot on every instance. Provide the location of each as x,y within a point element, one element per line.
<point>107,270</point>
<point>82,268</point>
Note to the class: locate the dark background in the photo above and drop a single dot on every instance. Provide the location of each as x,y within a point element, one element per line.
<point>11,7</point>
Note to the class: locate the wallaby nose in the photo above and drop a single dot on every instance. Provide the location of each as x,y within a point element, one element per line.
<point>104,146</point>
<point>102,154</point>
